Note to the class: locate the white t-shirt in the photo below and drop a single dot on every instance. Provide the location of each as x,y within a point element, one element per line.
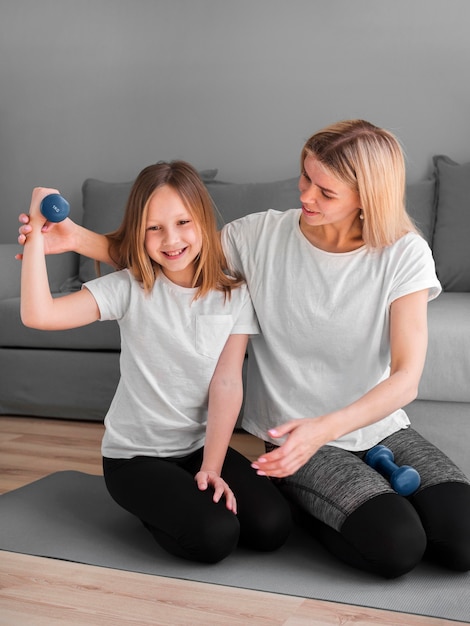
<point>170,347</point>
<point>324,320</point>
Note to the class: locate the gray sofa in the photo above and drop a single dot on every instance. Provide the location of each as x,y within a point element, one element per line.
<point>73,374</point>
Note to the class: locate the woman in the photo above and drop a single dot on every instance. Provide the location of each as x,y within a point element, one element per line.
<point>340,288</point>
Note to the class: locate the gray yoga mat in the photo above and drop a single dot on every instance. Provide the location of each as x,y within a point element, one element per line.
<point>70,516</point>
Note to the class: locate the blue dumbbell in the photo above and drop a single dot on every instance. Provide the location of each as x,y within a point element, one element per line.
<point>405,480</point>
<point>55,208</point>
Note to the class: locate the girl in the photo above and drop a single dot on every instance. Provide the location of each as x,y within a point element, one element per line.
<point>184,328</point>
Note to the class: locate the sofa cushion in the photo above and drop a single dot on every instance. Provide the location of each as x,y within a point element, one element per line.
<point>446,373</point>
<point>452,229</point>
<point>13,334</point>
<point>103,209</point>
<point>104,204</point>
<point>420,206</point>
<point>234,200</point>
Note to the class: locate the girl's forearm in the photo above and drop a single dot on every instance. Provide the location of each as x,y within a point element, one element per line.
<point>224,407</point>
<point>36,298</point>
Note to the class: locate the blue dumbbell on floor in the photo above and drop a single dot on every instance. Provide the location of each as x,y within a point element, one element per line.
<point>405,480</point>
<point>55,208</point>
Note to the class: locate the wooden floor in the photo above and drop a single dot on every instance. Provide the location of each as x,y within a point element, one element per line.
<point>36,591</point>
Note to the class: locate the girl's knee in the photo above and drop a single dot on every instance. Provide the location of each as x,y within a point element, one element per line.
<point>214,542</point>
<point>266,530</point>
<point>265,517</point>
<point>201,540</point>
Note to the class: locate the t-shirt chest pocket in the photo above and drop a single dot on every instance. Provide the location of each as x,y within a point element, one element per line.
<point>212,332</point>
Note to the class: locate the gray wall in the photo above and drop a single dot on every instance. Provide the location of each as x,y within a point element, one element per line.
<point>102,88</point>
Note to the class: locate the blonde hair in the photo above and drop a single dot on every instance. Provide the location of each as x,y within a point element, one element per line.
<point>369,160</point>
<point>127,243</point>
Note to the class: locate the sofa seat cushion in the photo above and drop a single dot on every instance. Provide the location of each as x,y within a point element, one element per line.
<point>446,375</point>
<point>13,334</point>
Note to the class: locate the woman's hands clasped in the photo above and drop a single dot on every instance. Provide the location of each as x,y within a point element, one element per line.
<point>208,478</point>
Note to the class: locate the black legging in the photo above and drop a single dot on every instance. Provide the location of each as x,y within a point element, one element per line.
<point>185,521</point>
<point>389,534</point>
<point>356,514</point>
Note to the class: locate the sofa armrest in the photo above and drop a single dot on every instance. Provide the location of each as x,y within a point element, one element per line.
<point>60,267</point>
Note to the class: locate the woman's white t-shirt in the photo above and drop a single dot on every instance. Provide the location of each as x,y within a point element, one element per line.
<point>324,320</point>
<point>170,345</point>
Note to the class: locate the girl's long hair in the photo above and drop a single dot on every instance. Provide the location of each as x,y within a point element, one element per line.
<point>370,160</point>
<point>127,243</point>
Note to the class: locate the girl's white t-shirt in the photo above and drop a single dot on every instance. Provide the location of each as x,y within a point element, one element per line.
<point>170,345</point>
<point>324,320</point>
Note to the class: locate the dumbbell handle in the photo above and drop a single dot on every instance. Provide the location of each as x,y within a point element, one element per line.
<point>405,480</point>
<point>55,208</point>
<point>386,465</point>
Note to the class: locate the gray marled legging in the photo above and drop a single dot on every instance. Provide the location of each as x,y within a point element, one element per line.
<point>363,521</point>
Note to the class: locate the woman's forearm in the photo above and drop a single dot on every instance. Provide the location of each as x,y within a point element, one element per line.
<point>92,245</point>
<point>67,236</point>
<point>391,394</point>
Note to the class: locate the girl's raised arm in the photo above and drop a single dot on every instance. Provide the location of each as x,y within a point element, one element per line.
<point>38,308</point>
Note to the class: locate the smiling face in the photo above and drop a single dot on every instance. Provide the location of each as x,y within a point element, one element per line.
<point>172,237</point>
<point>325,199</point>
